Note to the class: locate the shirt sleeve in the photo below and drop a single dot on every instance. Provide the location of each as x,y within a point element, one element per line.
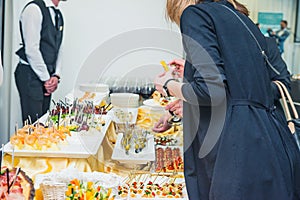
<point>31,20</point>
<point>203,55</point>
<point>59,60</point>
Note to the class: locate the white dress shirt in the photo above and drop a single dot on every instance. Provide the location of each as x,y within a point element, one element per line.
<point>31,19</point>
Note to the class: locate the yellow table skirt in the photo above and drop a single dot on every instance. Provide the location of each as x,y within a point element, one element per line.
<point>41,165</point>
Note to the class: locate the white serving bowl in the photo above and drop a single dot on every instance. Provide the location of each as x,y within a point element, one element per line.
<point>124,100</point>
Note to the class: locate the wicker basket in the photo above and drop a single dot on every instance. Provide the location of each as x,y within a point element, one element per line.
<point>53,191</point>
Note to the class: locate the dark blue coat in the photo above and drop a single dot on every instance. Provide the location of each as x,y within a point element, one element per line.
<point>236,144</point>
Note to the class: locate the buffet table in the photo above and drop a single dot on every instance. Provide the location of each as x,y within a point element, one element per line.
<point>100,162</point>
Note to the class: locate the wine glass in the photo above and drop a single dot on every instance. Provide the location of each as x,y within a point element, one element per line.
<point>137,86</point>
<point>115,86</point>
<point>147,89</point>
<point>130,86</point>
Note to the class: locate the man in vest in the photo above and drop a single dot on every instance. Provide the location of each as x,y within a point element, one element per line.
<point>38,72</point>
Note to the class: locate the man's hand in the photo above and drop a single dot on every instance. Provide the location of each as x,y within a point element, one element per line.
<point>51,85</point>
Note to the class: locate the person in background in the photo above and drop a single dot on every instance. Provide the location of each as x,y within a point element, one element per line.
<point>255,155</point>
<point>258,25</point>
<point>280,35</point>
<point>38,72</point>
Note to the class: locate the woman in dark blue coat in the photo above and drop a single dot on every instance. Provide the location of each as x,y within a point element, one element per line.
<point>236,144</point>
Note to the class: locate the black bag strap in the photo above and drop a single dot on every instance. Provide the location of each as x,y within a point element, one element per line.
<point>258,45</point>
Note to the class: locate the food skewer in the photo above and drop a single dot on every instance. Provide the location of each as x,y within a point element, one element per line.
<point>54,102</point>
<point>16,128</point>
<point>58,121</point>
<point>15,178</point>
<point>30,121</point>
<point>63,103</point>
<point>157,176</point>
<point>37,121</point>
<point>7,179</point>
<point>48,119</point>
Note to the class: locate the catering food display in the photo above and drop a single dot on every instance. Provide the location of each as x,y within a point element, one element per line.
<point>124,115</point>
<point>79,190</point>
<point>65,141</point>
<point>147,186</point>
<point>15,184</point>
<point>166,140</point>
<point>77,185</point>
<point>159,100</point>
<point>78,116</point>
<point>39,138</point>
<point>134,148</point>
<point>76,130</point>
<point>169,159</point>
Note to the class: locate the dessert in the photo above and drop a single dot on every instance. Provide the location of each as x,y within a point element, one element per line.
<point>38,137</point>
<point>14,184</point>
<point>140,190</point>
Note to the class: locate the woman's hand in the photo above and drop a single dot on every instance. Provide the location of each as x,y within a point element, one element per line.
<point>176,107</point>
<point>162,125</point>
<point>161,79</point>
<point>178,66</point>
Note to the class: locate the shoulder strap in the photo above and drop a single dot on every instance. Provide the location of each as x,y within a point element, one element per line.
<point>284,102</point>
<point>288,96</point>
<point>284,94</point>
<point>253,36</point>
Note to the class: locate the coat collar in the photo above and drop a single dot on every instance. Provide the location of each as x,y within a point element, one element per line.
<point>225,2</point>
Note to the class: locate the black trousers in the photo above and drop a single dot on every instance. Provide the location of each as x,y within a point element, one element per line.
<point>31,90</point>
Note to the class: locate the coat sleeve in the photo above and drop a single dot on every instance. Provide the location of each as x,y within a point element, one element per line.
<point>279,64</point>
<point>206,86</point>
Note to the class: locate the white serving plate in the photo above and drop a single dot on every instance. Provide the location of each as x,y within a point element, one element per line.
<point>79,145</point>
<point>147,154</point>
<point>134,112</point>
<point>156,105</point>
<point>153,104</point>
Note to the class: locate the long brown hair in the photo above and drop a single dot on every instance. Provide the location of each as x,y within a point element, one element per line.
<point>176,7</point>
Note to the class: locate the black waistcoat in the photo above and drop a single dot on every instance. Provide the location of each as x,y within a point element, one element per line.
<point>51,37</point>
